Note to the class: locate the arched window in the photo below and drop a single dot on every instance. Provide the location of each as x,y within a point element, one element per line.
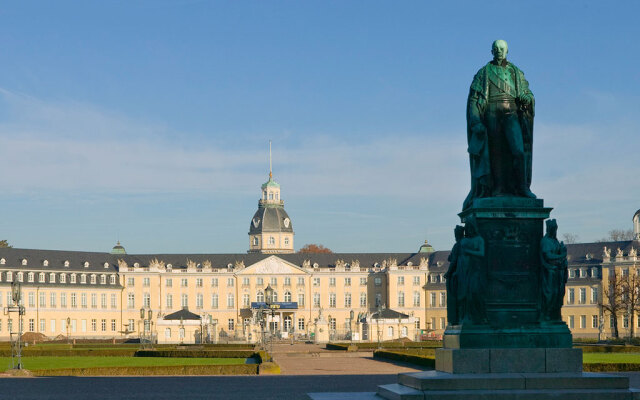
<point>405,331</point>
<point>41,277</point>
<point>287,296</point>
<point>260,297</point>
<point>390,331</point>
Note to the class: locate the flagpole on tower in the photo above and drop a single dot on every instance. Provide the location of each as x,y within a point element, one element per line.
<point>270,170</point>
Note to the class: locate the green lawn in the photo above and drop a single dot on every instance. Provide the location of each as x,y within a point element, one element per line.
<point>611,358</point>
<point>87,362</point>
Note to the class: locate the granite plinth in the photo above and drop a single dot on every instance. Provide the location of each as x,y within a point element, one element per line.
<point>505,360</point>
<point>483,336</point>
<point>438,385</point>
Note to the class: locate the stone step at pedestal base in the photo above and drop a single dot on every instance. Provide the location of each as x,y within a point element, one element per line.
<point>438,385</point>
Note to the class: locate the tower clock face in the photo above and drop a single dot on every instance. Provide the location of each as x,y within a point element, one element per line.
<point>287,221</point>
<point>256,222</point>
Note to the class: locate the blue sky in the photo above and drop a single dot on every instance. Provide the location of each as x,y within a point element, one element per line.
<point>149,121</point>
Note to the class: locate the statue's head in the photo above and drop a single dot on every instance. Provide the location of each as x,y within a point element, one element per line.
<point>552,227</point>
<point>458,231</point>
<point>499,49</point>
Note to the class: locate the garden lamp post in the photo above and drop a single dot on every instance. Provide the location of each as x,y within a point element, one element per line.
<point>351,326</point>
<point>68,324</point>
<point>268,291</point>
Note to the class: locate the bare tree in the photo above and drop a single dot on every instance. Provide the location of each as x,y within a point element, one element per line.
<point>631,298</point>
<point>616,299</point>
<point>617,235</point>
<point>570,238</point>
<point>4,243</point>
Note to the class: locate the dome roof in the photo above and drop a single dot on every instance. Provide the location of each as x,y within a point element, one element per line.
<point>270,219</point>
<point>118,249</point>
<point>426,248</point>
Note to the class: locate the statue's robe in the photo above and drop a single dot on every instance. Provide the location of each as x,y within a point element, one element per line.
<point>478,144</point>
<point>554,277</point>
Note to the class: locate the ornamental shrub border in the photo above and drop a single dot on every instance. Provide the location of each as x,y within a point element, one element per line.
<point>240,369</point>
<point>406,357</point>
<point>429,344</point>
<point>196,353</point>
<point>609,349</point>
<point>611,367</point>
<point>40,352</point>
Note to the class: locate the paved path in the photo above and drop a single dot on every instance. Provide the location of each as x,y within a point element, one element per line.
<point>309,359</point>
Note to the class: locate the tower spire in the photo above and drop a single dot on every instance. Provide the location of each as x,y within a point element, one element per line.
<point>270,170</point>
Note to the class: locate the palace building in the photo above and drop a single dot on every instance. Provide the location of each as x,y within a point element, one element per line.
<point>176,298</point>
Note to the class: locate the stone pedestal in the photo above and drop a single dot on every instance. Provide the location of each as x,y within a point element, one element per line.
<point>321,331</point>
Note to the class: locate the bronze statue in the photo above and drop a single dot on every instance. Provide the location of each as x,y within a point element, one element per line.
<point>452,278</point>
<point>471,275</point>
<point>553,255</point>
<point>500,110</point>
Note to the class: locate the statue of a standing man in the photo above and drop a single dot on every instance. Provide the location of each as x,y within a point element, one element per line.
<point>500,110</point>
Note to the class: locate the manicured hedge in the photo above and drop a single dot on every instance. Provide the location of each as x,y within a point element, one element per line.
<point>196,353</point>
<point>609,349</point>
<point>42,352</point>
<point>241,369</point>
<point>610,367</point>
<point>406,357</point>
<point>430,344</point>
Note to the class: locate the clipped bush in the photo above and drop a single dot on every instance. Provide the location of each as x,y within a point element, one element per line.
<point>610,367</point>
<point>269,368</point>
<point>196,353</point>
<point>609,349</point>
<point>406,357</point>
<point>241,369</point>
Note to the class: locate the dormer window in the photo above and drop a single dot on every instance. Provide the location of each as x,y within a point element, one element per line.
<point>136,265</point>
<point>20,276</point>
<point>73,278</point>
<point>93,279</point>
<point>45,263</point>
<point>3,261</point>
<point>106,265</point>
<point>315,265</point>
<point>83,278</point>
<point>169,266</point>
<point>52,278</point>
<point>255,241</point>
<point>24,261</point>
<point>9,276</point>
<point>30,277</point>
<point>103,279</point>
<point>86,264</point>
<point>66,263</point>
<point>41,277</point>
<point>63,278</point>
<point>112,279</point>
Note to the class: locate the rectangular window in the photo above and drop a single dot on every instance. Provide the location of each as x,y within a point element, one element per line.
<point>52,299</point>
<point>443,322</point>
<point>199,282</point>
<point>169,301</point>
<point>571,322</point>
<point>316,281</point>
<point>377,281</point>
<point>32,300</point>
<point>347,281</point>
<point>583,321</point>
<point>625,321</point>
<point>230,282</point>
<point>287,281</point>
<point>132,325</point>
<point>594,295</point>
<point>52,325</point>
<point>74,300</point>
<point>301,300</point>
<point>316,300</point>
<point>146,300</point>
<point>583,295</point>
<point>332,324</point>
<point>301,324</point>
<point>332,281</point>
<point>214,301</point>
<point>245,282</point>
<point>130,281</point>
<point>63,300</point>
<point>400,280</point>
<point>400,299</point>
<point>103,325</point>
<point>83,300</point>
<point>94,300</point>
<point>131,301</point>
<point>417,323</point>
<point>416,299</point>
<point>43,326</point>
<point>571,298</point>
<point>113,325</point>
<point>416,280</point>
<point>347,300</point>
<point>363,281</point>
<point>32,325</point>
<point>332,300</point>
<point>184,282</point>
<point>232,325</point>
<point>363,299</point>
<point>42,299</point>
<point>145,282</point>
<point>432,298</point>
<point>168,282</point>
<point>114,301</point>
<point>246,300</point>
<point>214,282</point>
<point>103,300</point>
<point>443,299</point>
<point>184,301</point>
<point>300,282</point>
<point>199,300</point>
<point>259,282</point>
<point>230,301</point>
<point>274,281</point>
